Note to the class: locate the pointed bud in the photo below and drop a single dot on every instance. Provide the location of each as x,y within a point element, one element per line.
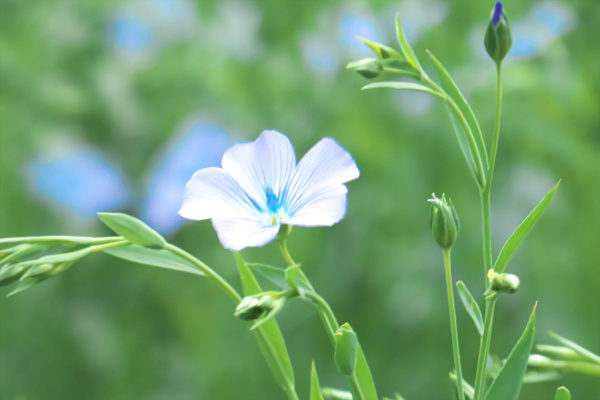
<point>498,39</point>
<point>346,349</point>
<point>368,67</point>
<point>445,224</point>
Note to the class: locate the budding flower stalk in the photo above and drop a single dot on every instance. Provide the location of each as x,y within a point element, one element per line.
<point>445,223</point>
<point>498,39</point>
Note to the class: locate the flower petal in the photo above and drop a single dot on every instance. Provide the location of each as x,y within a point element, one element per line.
<point>270,159</point>
<point>212,192</point>
<point>323,207</point>
<point>326,164</point>
<point>236,234</point>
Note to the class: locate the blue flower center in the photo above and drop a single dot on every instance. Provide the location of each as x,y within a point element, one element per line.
<point>274,207</point>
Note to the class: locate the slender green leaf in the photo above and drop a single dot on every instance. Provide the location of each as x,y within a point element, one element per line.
<point>507,384</point>
<point>61,257</point>
<point>66,240</point>
<point>562,393</point>
<point>407,50</point>
<point>470,305</point>
<point>154,257</point>
<point>335,394</point>
<point>278,276</point>
<point>540,376</point>
<point>403,86</point>
<point>463,143</point>
<point>133,230</point>
<point>454,92</point>
<point>268,335</point>
<point>315,389</point>
<point>24,285</point>
<point>514,241</point>
<point>579,349</point>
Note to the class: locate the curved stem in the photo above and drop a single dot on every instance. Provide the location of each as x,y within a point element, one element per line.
<point>233,294</point>
<point>453,325</point>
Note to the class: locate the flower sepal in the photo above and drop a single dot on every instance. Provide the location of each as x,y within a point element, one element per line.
<point>260,307</point>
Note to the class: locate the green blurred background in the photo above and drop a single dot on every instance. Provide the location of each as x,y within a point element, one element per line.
<point>109,105</point>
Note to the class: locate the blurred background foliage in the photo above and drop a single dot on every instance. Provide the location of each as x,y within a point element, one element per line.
<point>112,105</point>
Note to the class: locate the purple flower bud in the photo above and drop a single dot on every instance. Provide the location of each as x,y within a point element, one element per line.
<point>497,13</point>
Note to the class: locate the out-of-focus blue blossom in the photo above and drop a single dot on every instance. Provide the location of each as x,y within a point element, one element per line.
<point>198,145</point>
<point>320,55</point>
<point>82,181</point>
<point>138,29</point>
<point>418,16</point>
<point>131,34</point>
<point>546,22</point>
<point>235,29</point>
<point>354,24</point>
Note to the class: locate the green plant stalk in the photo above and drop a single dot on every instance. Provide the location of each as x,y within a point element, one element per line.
<point>231,292</point>
<point>484,346</point>
<point>327,316</point>
<point>331,325</point>
<point>453,325</point>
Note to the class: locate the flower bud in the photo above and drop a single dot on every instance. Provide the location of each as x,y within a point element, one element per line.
<point>253,307</point>
<point>498,39</point>
<point>445,224</point>
<point>503,283</point>
<point>346,349</point>
<point>368,67</point>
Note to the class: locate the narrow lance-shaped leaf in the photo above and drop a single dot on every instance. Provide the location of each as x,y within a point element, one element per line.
<point>513,242</point>
<point>406,48</point>
<point>507,384</point>
<point>403,86</point>
<point>315,389</point>
<point>154,257</point>
<point>579,349</point>
<point>463,143</point>
<point>268,335</point>
<point>471,306</point>
<point>562,393</point>
<point>455,94</point>
<point>133,230</point>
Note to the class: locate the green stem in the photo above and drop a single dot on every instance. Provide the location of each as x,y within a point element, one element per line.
<point>484,347</point>
<point>331,326</point>
<point>233,294</point>
<point>115,243</point>
<point>327,316</point>
<point>453,325</point>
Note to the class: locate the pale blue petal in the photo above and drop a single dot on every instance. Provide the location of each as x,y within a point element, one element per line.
<point>236,234</point>
<point>324,207</point>
<point>323,170</point>
<point>270,159</point>
<point>212,193</point>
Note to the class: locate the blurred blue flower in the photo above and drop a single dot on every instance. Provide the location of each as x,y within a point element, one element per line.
<point>81,181</point>
<point>260,187</point>
<point>201,145</point>
<point>546,22</point>
<point>319,54</point>
<point>353,25</point>
<point>418,16</point>
<point>131,34</point>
